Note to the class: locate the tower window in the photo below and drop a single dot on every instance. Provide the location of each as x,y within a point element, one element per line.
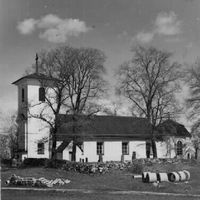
<point>23,94</point>
<point>40,149</point>
<point>41,94</point>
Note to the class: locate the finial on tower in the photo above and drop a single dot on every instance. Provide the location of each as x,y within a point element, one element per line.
<point>36,63</point>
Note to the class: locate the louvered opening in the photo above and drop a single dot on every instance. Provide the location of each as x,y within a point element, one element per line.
<point>41,94</point>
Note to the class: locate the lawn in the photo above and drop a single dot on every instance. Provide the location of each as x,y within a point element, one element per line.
<point>115,180</point>
<point>21,195</point>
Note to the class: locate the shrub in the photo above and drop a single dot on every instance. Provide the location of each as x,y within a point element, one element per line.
<point>55,163</point>
<point>43,162</point>
<point>34,162</point>
<point>6,162</point>
<point>136,168</point>
<point>71,166</point>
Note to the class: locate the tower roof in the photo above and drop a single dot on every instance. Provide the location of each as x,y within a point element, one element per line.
<point>35,76</point>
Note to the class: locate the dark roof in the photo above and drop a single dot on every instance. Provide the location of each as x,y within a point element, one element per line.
<point>34,76</point>
<point>172,128</point>
<point>116,127</point>
<point>107,127</point>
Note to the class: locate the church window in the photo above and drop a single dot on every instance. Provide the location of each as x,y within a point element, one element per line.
<point>100,148</point>
<point>41,94</point>
<point>40,149</point>
<point>179,148</point>
<point>125,149</point>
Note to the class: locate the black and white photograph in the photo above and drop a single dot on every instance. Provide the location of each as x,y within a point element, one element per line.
<point>100,99</point>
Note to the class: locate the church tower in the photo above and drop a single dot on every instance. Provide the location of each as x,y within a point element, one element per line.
<point>30,132</point>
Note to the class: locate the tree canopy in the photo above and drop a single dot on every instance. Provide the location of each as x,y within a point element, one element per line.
<point>149,80</point>
<point>75,79</point>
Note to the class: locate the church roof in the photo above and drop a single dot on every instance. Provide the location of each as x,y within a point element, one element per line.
<point>173,128</point>
<point>109,128</point>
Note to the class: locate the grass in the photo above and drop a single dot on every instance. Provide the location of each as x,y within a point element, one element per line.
<point>21,195</point>
<point>115,179</point>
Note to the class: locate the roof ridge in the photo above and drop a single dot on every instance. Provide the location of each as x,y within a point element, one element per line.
<point>119,116</point>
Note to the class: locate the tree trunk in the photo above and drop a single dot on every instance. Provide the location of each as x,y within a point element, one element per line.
<point>154,149</point>
<point>196,153</point>
<point>148,146</point>
<point>53,150</point>
<point>153,142</point>
<point>74,138</point>
<point>74,151</point>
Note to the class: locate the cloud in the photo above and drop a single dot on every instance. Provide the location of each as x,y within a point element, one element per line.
<point>144,37</point>
<point>49,21</point>
<point>54,29</point>
<point>58,30</point>
<point>27,26</point>
<point>123,34</point>
<point>165,24</point>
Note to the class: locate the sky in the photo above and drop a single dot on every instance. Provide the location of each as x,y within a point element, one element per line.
<point>113,26</point>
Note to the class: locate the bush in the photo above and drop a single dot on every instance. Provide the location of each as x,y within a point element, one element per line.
<point>55,163</point>
<point>34,162</point>
<point>6,162</point>
<point>136,168</point>
<point>86,168</point>
<point>71,166</point>
<point>43,162</point>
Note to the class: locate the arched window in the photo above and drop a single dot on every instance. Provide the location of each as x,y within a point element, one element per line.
<point>179,148</point>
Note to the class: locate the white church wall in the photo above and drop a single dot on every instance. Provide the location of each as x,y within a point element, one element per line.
<point>33,147</point>
<point>168,148</point>
<point>112,151</point>
<point>162,149</point>
<point>38,130</point>
<point>139,147</point>
<point>90,151</point>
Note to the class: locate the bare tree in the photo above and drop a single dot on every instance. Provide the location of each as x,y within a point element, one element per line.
<point>149,81</point>
<point>8,135</point>
<point>85,84</point>
<point>193,102</point>
<point>75,77</point>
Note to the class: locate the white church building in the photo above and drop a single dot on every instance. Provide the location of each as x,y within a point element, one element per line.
<point>111,137</point>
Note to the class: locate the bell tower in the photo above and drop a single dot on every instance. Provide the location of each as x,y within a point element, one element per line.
<point>29,90</point>
<point>22,122</point>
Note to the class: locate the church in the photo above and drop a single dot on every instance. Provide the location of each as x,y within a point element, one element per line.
<point>113,138</point>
